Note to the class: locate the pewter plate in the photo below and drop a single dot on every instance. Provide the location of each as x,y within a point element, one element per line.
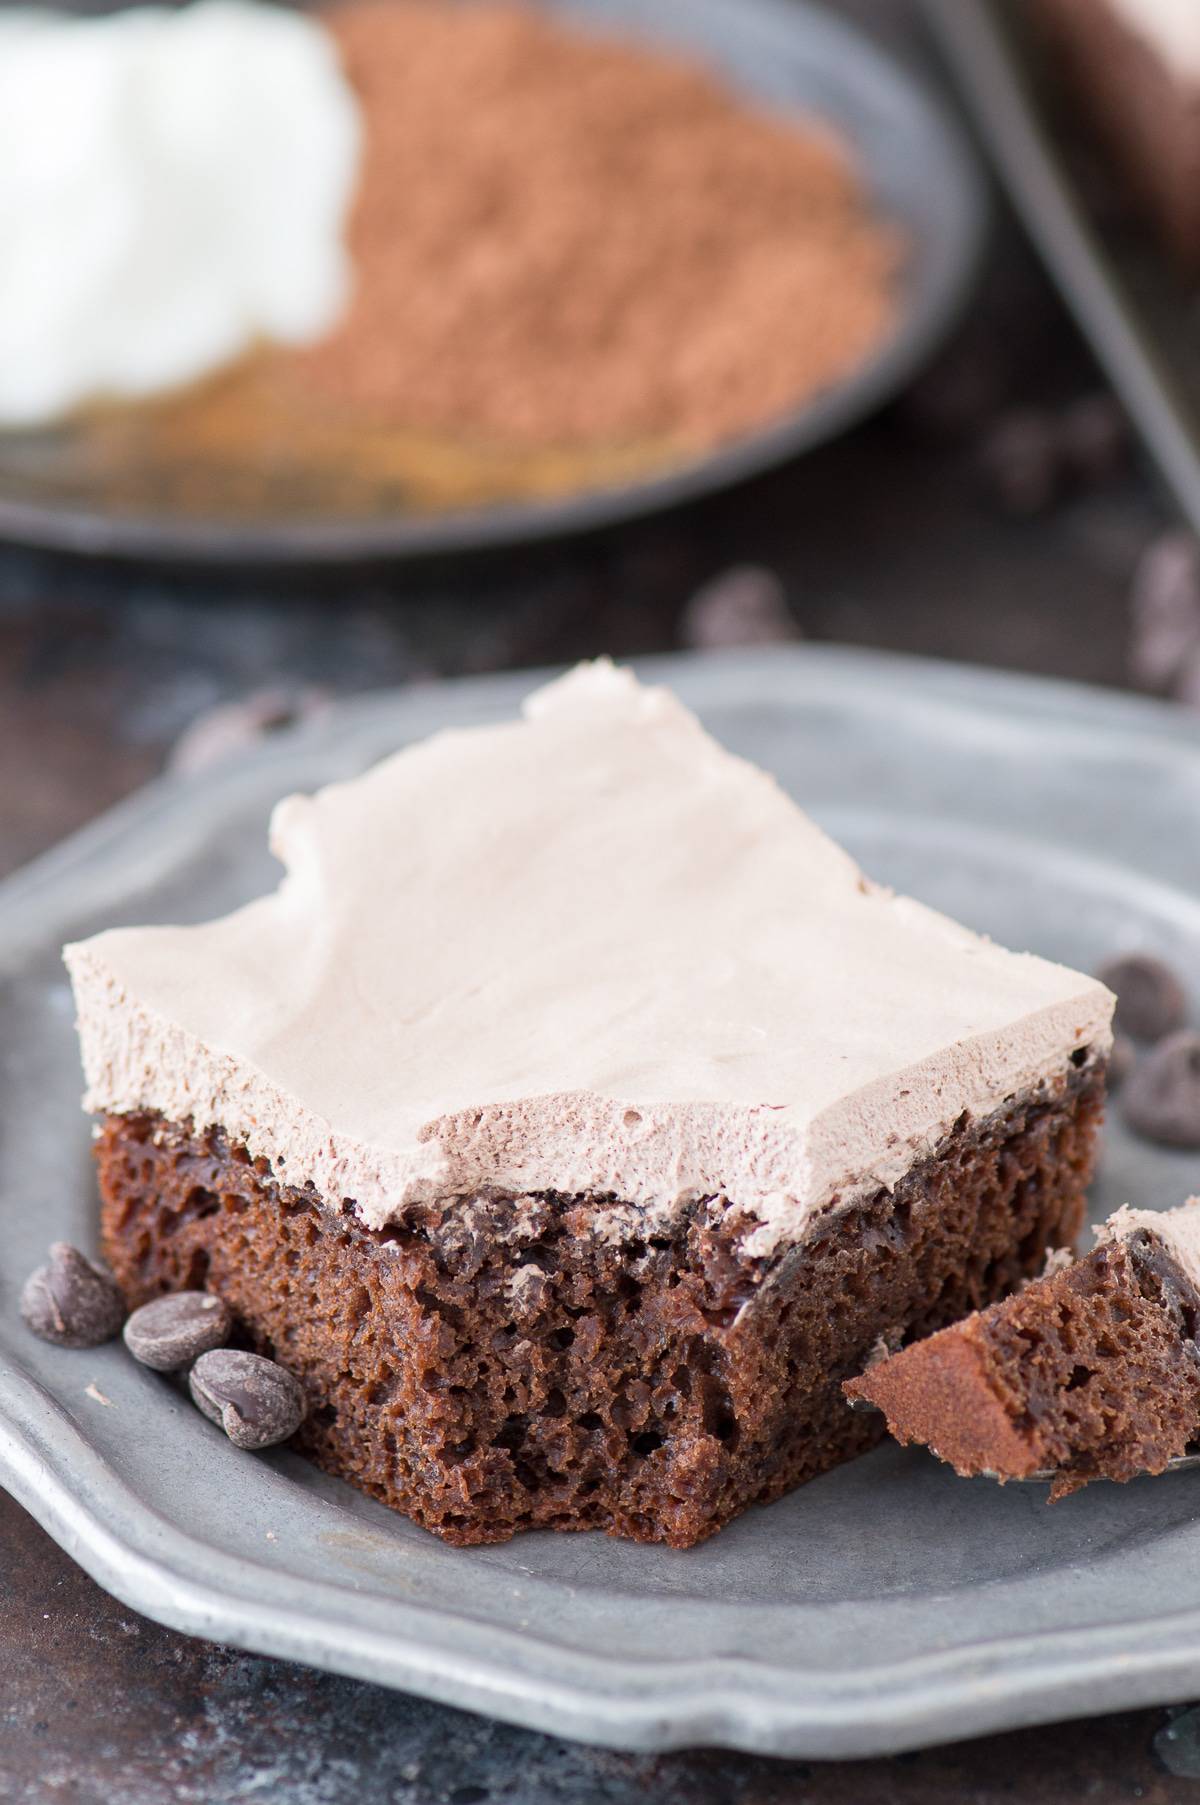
<point>886,1605</point>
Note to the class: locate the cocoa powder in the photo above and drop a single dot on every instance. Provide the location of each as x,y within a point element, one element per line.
<point>563,240</point>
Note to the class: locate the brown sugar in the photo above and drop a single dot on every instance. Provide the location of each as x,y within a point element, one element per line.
<point>561,239</point>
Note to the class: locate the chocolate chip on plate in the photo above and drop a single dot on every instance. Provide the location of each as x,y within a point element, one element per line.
<point>1162,1098</point>
<point>171,1332</point>
<point>1151,1001</point>
<point>255,1401</point>
<point>70,1301</point>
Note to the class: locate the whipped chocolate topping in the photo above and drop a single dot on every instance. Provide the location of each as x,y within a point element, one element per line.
<point>1177,1231</point>
<point>589,952</point>
<point>1170,27</point>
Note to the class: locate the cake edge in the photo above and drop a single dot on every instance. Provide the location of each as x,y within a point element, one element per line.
<point>993,1201</point>
<point>955,1393</point>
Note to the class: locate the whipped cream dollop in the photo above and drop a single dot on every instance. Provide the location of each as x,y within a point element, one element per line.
<point>588,951</point>
<point>173,188</point>
<point>1171,27</point>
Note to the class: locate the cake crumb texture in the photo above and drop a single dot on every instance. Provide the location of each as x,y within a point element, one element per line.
<point>504,1363</point>
<point>1091,1373</point>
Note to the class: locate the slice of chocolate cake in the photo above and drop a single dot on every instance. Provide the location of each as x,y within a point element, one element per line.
<point>1135,64</point>
<point>1091,1372</point>
<point>575,1116</point>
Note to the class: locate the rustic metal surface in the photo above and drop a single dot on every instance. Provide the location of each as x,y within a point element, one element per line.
<point>100,1707</point>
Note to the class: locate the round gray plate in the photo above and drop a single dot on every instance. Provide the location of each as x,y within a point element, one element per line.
<point>788,54</point>
<point>887,1604</point>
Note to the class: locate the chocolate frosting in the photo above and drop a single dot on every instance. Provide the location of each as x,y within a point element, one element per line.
<point>588,951</point>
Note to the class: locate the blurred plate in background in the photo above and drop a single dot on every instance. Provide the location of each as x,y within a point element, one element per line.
<point>1138,312</point>
<point>155,482</point>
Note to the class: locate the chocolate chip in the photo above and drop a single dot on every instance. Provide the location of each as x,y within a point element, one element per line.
<point>1093,437</point>
<point>1165,610</point>
<point>229,728</point>
<point>255,1401</point>
<point>1186,687</point>
<point>1151,1001</point>
<point>962,391</point>
<point>70,1301</point>
<point>1162,1098</point>
<point>172,1331</point>
<point>744,606</point>
<point>1020,461</point>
